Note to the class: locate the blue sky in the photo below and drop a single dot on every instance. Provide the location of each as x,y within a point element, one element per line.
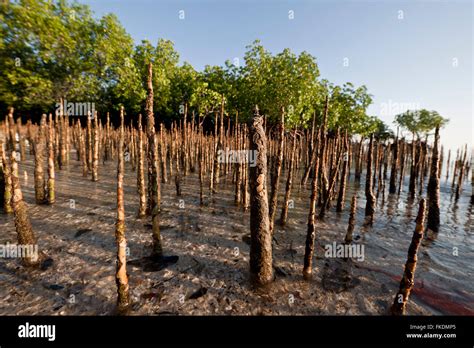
<point>409,54</point>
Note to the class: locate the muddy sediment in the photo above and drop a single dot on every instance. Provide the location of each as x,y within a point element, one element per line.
<point>212,274</point>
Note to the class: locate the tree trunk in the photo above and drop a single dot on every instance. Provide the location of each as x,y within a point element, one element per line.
<point>402,167</point>
<point>106,140</point>
<point>311,231</point>
<point>375,160</point>
<point>393,172</point>
<point>7,179</point>
<point>352,218</point>
<point>358,164</point>
<point>23,227</point>
<point>238,171</point>
<point>456,162</point>
<point>447,164</point>
<point>462,171</point>
<point>76,138</point>
<point>39,145</point>
<point>95,153</point>
<point>460,180</point>
<point>11,129</point>
<point>369,194</point>
<point>121,278</point>
<point>82,144</point>
<point>423,156</point>
<point>406,284</point>
<point>164,172</point>
<point>2,176</point>
<point>245,179</point>
<point>29,136</point>
<point>218,147</point>
<point>414,166</point>
<point>51,174</point>
<point>62,136</point>
<point>214,165</point>
<point>21,140</point>
<point>261,264</point>
<point>323,154</point>
<point>312,153</point>
<point>289,182</point>
<point>433,188</point>
<point>277,172</point>
<point>89,142</point>
<point>141,186</point>
<point>345,168</point>
<point>153,169</point>
<point>201,174</point>
<point>441,160</point>
<point>331,184</point>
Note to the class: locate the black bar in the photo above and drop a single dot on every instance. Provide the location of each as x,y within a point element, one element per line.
<point>289,331</point>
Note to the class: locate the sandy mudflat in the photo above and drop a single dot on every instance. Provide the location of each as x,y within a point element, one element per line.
<point>211,276</point>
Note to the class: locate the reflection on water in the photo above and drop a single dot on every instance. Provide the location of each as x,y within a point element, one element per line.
<point>446,259</point>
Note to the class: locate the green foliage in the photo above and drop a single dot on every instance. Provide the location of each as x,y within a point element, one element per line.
<point>46,52</point>
<point>420,122</point>
<point>284,80</point>
<point>118,74</point>
<point>347,108</point>
<point>206,100</point>
<point>56,49</point>
<point>429,120</point>
<point>407,120</point>
<point>165,63</point>
<point>51,50</point>
<point>380,129</point>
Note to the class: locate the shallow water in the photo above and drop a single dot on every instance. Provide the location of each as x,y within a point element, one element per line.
<point>445,260</point>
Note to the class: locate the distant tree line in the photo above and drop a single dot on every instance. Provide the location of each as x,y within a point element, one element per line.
<point>56,50</point>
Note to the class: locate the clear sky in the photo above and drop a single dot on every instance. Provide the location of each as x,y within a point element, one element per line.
<point>409,54</point>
